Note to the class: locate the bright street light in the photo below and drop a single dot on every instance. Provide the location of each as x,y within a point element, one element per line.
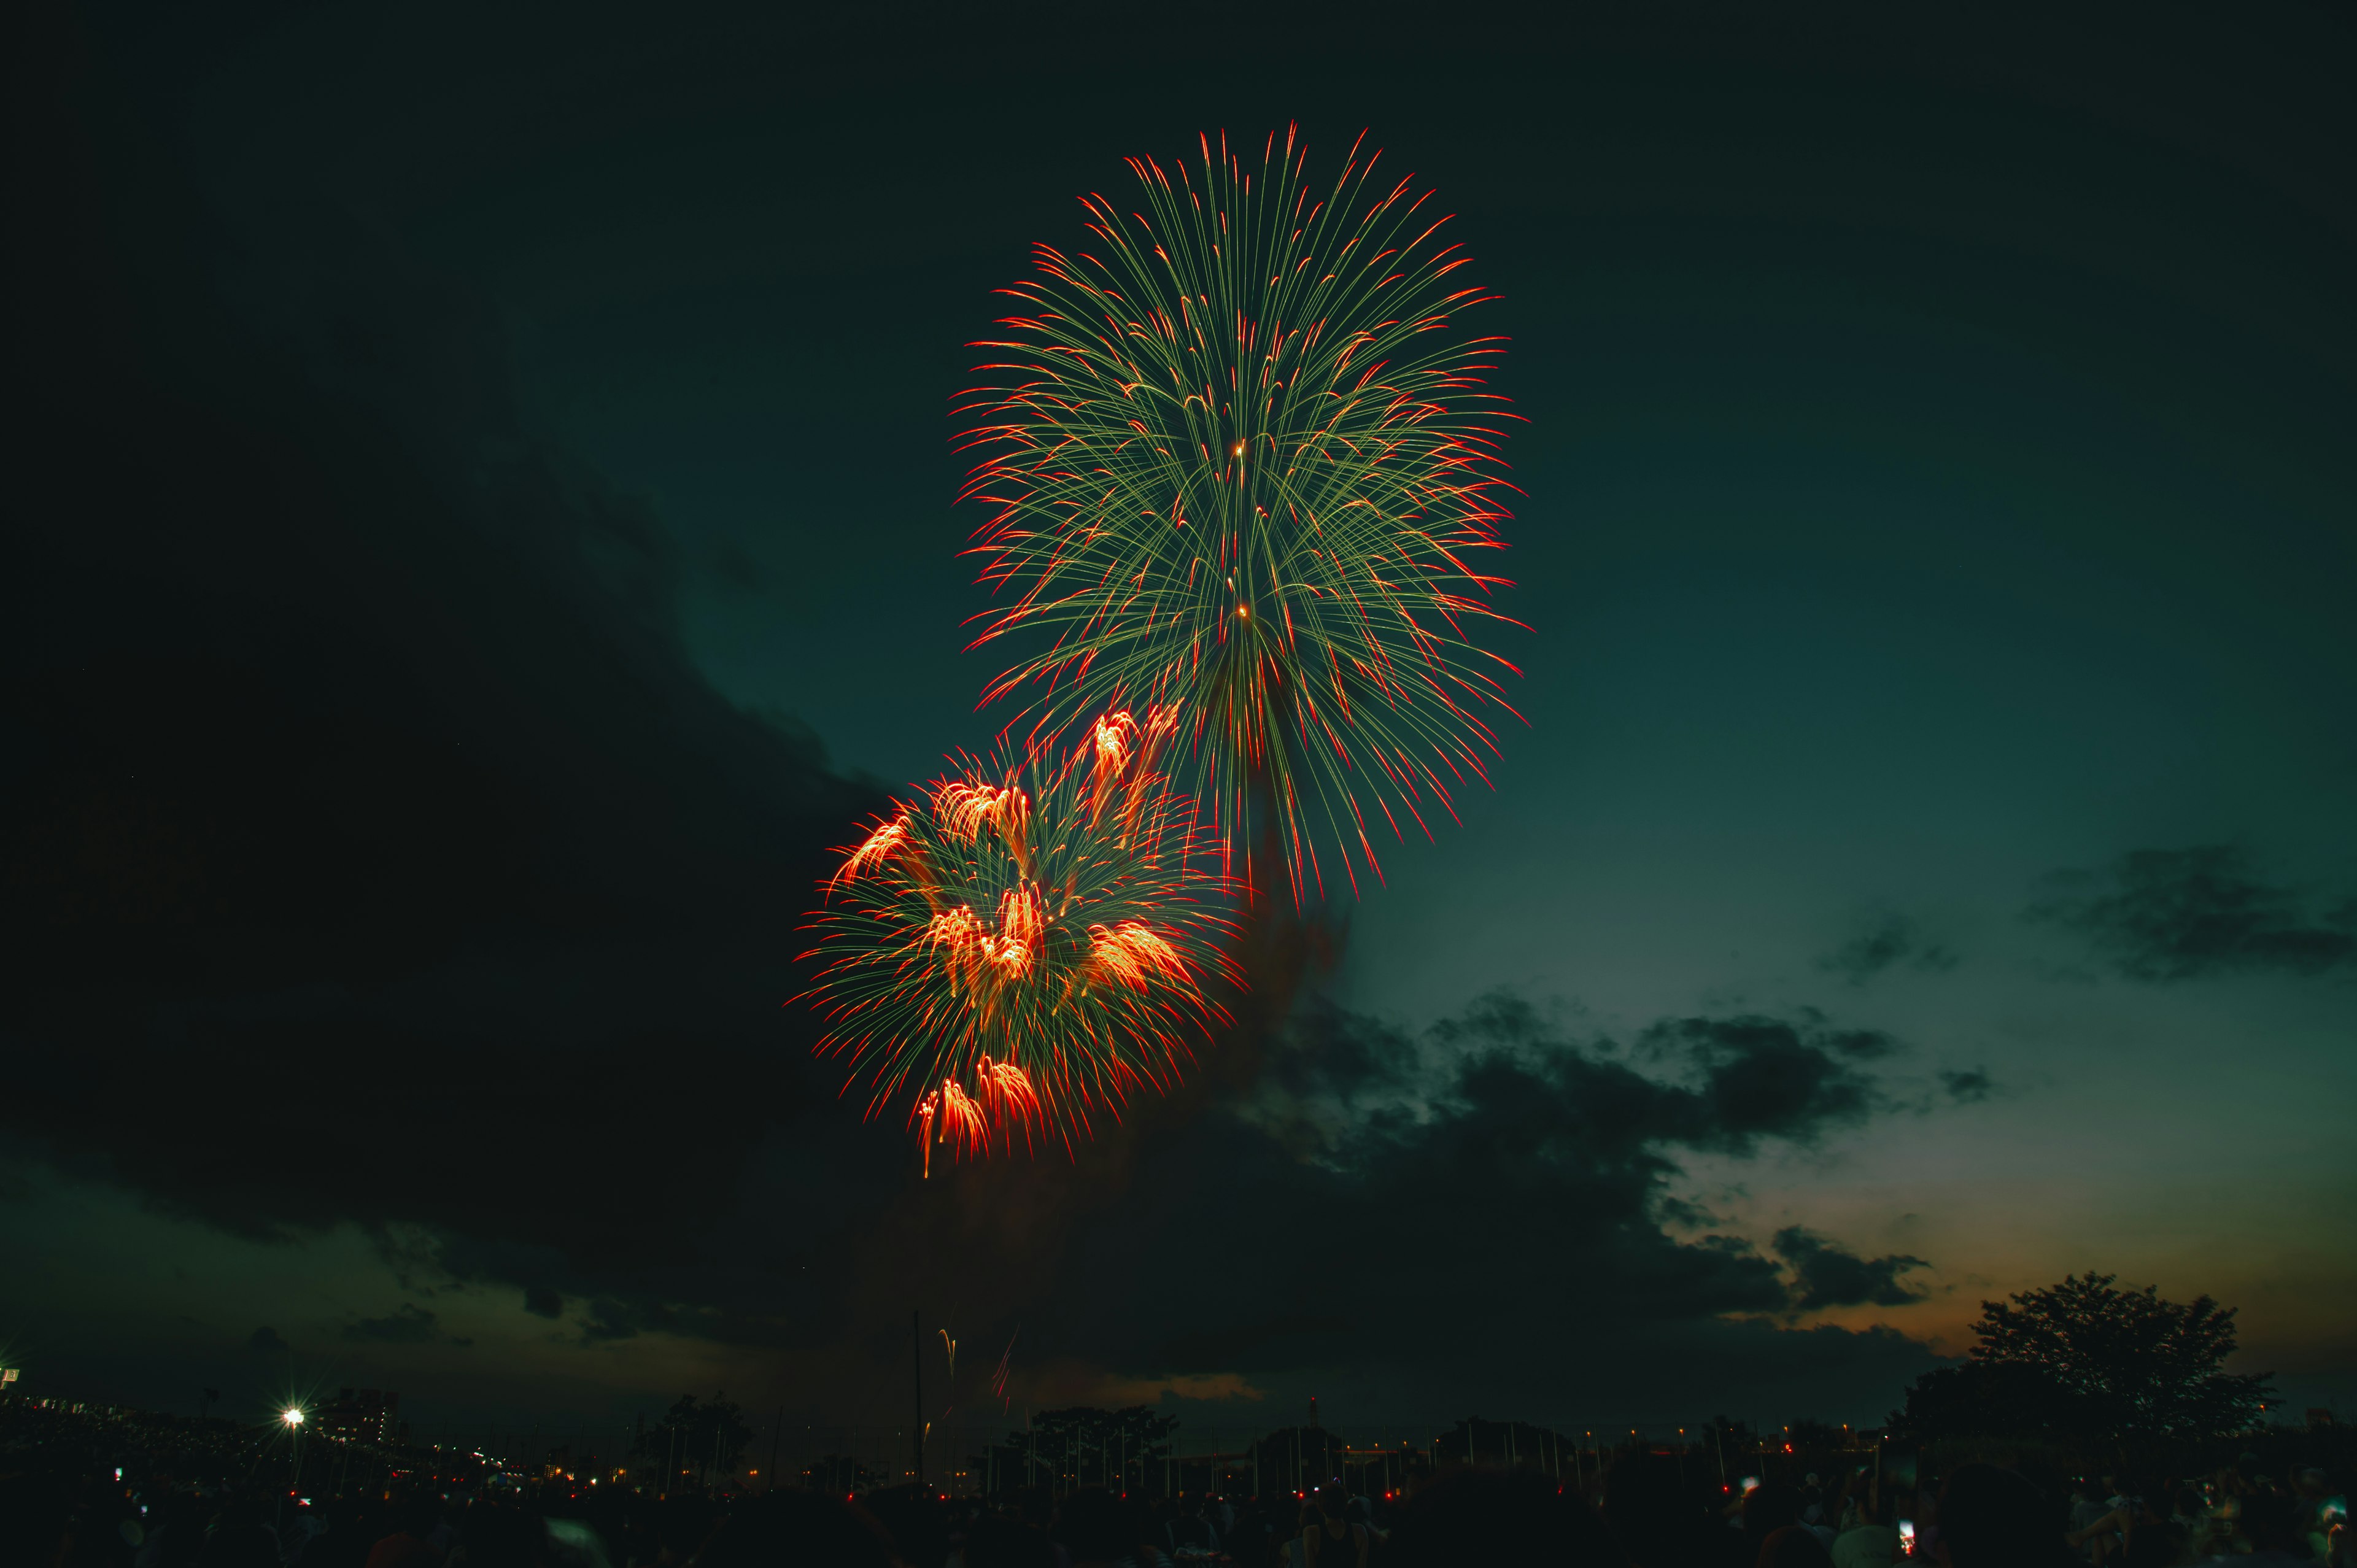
<point>293,1418</point>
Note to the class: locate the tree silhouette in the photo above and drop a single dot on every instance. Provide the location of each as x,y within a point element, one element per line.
<point>837,1473</point>
<point>1982,1399</point>
<point>696,1438</point>
<point>1083,1445</point>
<point>2085,1358</point>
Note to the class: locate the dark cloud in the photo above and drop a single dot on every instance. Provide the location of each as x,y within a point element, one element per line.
<point>1438,1205</point>
<point>734,565</point>
<point>542,1302</point>
<point>1294,1216</point>
<point>359,792</point>
<point>610,1320</point>
<point>1886,940</point>
<point>408,1324</point>
<point>727,1308</point>
<point>2180,914</point>
<point>1826,1273</point>
<point>1767,1078</point>
<point>266,1340</point>
<point>1968,1084</point>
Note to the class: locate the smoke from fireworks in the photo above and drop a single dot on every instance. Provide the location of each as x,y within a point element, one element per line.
<point>1024,942</point>
<point>1238,463</point>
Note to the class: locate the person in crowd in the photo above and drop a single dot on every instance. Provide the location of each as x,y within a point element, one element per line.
<point>1792,1546</point>
<point>35,1518</point>
<point>1147,1527</point>
<point>1871,1541</point>
<point>241,1537</point>
<point>1251,1537</point>
<point>994,1541</point>
<point>2111,1532</point>
<point>1102,1530</point>
<point>2086,1506</point>
<point>1839,1506</point>
<point>1817,1516</point>
<point>2188,1517</point>
<point>1329,1539</point>
<point>1191,1531</point>
<point>1362,1512</point>
<point>1990,1517</point>
<point>2313,1504</point>
<point>176,1535</point>
<point>2100,1537</point>
<point>1658,1522</point>
<point>803,1527</point>
<point>1509,1519</point>
<point>500,1536</point>
<point>2271,1529</point>
<point>1305,1519</point>
<point>411,1518</point>
<point>1767,1508</point>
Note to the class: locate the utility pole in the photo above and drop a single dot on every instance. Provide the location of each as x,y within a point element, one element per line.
<point>776,1436</point>
<point>916,1366</point>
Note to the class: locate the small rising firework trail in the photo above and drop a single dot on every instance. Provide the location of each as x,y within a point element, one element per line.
<point>1239,461</point>
<point>998,1379</point>
<point>1025,943</point>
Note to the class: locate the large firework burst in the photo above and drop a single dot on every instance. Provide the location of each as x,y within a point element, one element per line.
<point>1239,462</point>
<point>1025,942</point>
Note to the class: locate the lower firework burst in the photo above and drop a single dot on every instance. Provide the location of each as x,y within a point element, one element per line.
<point>1025,943</point>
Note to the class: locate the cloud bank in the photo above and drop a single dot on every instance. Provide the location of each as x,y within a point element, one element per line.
<point>1884,943</point>
<point>2165,915</point>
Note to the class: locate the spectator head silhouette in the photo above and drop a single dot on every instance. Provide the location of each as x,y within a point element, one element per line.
<point>995,1542</point>
<point>795,1527</point>
<point>505,1536</point>
<point>2150,1547</point>
<point>1095,1527</point>
<point>1991,1518</point>
<point>1794,1546</point>
<point>1472,1519</point>
<point>1770,1506</point>
<point>2271,1523</point>
<point>1644,1492</point>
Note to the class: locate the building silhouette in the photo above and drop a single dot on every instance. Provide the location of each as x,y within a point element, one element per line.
<point>358,1415</point>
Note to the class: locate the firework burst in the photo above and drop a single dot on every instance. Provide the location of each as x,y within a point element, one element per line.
<point>1025,942</point>
<point>1238,462</point>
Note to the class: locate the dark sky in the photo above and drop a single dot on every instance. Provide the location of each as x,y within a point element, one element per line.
<point>482,528</point>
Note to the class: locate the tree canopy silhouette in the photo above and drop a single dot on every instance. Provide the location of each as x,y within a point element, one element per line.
<point>698,1438</point>
<point>1087,1446</point>
<point>2084,1358</point>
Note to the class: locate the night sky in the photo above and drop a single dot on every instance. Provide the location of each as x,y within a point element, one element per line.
<point>480,530</point>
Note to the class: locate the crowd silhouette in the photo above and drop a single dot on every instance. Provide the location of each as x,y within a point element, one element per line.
<point>1644,1509</point>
